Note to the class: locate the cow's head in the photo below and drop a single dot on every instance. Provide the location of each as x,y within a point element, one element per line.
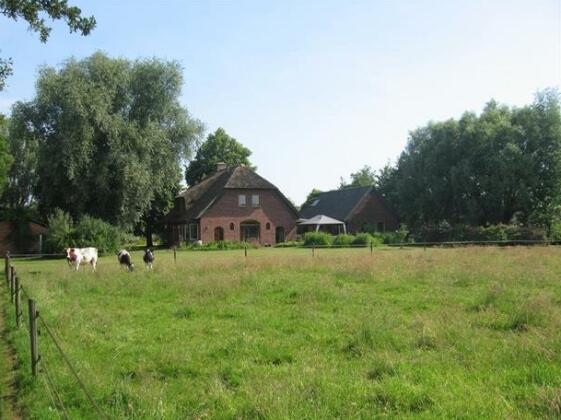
<point>71,254</point>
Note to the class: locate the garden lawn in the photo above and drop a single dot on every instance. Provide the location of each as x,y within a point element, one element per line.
<point>471,332</point>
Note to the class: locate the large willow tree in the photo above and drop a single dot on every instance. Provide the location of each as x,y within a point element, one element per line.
<point>111,137</point>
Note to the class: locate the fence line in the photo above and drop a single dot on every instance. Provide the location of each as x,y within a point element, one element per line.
<point>15,287</point>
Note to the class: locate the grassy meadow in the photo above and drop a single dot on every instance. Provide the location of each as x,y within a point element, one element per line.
<point>467,333</point>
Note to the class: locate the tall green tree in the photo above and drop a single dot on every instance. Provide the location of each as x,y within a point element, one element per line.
<point>218,147</point>
<point>6,158</point>
<point>23,146</point>
<point>502,166</point>
<point>111,137</point>
<point>36,13</point>
<point>364,177</point>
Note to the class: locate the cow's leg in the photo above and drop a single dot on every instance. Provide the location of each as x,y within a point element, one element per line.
<point>93,262</point>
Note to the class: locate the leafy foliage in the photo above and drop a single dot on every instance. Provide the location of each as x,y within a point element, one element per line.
<point>111,137</point>
<point>6,159</point>
<point>218,147</point>
<point>318,238</point>
<point>364,177</point>
<point>444,233</point>
<point>23,146</point>
<point>343,239</point>
<point>34,13</point>
<point>5,71</point>
<point>501,167</point>
<point>61,231</point>
<point>89,231</point>
<point>312,195</point>
<point>221,246</point>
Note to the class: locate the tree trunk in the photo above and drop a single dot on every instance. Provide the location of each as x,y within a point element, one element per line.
<point>149,243</point>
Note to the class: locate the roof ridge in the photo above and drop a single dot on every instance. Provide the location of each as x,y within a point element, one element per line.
<point>348,188</point>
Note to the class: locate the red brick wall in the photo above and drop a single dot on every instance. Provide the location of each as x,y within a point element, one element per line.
<point>33,246</point>
<point>371,211</point>
<point>272,209</point>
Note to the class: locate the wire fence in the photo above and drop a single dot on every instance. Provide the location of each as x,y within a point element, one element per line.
<point>40,363</point>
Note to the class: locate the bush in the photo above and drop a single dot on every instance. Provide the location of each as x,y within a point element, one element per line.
<point>289,244</point>
<point>447,233</point>
<point>95,232</point>
<point>365,239</point>
<point>343,240</point>
<point>318,239</point>
<point>61,232</point>
<point>221,245</point>
<point>89,231</point>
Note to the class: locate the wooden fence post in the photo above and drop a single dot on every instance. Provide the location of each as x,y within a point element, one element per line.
<point>313,251</point>
<point>245,251</point>
<point>371,247</point>
<point>33,336</point>
<point>18,302</point>
<point>7,267</point>
<point>12,279</point>
<point>175,255</point>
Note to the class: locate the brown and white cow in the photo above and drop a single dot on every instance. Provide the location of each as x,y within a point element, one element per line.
<point>77,256</point>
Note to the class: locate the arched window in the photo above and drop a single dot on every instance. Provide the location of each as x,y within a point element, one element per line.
<point>231,226</point>
<point>218,234</point>
<point>268,226</point>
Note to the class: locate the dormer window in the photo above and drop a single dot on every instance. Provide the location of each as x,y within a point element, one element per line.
<point>241,200</point>
<point>254,200</point>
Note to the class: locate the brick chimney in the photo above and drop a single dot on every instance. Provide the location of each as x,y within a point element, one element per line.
<point>220,166</point>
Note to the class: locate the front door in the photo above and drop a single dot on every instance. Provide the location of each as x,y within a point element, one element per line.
<point>218,234</point>
<point>249,231</point>
<point>279,234</point>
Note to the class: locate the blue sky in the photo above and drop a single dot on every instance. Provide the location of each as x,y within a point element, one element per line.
<point>317,89</point>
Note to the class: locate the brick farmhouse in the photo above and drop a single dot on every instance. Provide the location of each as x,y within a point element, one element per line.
<point>233,204</point>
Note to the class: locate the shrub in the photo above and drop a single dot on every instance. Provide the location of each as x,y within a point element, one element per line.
<point>500,232</point>
<point>289,244</point>
<point>221,245</point>
<point>318,238</point>
<point>61,231</point>
<point>95,232</point>
<point>365,239</point>
<point>343,240</point>
<point>89,231</point>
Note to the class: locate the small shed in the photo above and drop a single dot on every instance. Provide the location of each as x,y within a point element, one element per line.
<point>322,222</point>
<point>21,238</point>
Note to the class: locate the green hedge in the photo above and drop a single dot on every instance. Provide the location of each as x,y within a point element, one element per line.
<point>341,240</point>
<point>220,245</point>
<point>447,233</point>
<point>289,244</point>
<point>88,231</point>
<point>318,238</point>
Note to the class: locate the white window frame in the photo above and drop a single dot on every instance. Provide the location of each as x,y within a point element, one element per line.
<point>255,200</point>
<point>242,202</point>
<point>196,226</point>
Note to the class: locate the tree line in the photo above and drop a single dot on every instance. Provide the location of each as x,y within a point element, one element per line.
<point>502,166</point>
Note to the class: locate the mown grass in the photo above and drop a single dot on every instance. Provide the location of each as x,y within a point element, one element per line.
<point>466,333</point>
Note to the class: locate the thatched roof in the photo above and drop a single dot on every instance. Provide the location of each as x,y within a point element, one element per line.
<point>200,197</point>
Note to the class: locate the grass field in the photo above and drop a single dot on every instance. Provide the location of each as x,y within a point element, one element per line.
<point>467,333</point>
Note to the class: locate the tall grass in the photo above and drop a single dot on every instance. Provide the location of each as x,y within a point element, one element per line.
<point>471,333</point>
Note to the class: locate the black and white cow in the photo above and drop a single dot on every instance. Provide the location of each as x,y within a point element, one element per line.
<point>148,258</point>
<point>125,259</point>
